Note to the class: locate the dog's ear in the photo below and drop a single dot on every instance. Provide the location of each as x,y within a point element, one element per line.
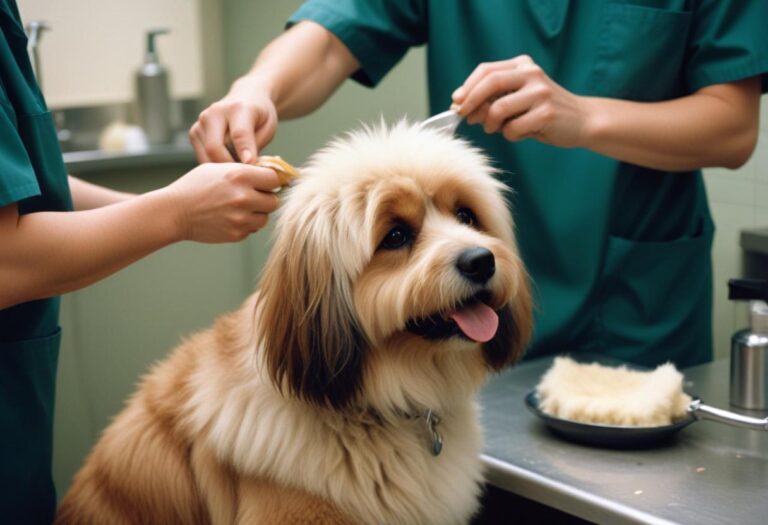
<point>515,328</point>
<point>306,325</point>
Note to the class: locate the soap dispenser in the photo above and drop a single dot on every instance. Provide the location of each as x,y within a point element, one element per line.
<point>152,94</point>
<point>749,347</point>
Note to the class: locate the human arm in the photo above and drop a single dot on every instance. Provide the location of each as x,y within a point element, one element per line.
<point>87,196</point>
<point>715,126</point>
<point>292,76</point>
<point>50,253</point>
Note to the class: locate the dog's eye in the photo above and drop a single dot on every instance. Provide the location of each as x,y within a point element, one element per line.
<point>465,216</point>
<point>397,237</point>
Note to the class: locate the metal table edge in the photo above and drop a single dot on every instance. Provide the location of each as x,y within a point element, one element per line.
<point>563,497</point>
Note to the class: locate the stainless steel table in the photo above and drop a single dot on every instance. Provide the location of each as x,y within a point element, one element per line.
<point>708,474</point>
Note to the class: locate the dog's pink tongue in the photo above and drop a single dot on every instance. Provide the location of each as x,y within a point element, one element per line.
<point>478,322</point>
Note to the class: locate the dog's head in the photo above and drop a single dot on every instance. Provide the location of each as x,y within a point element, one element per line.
<point>395,238</point>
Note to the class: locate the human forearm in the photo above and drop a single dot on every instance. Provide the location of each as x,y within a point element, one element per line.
<point>87,196</point>
<point>714,127</point>
<point>299,70</point>
<point>294,75</point>
<point>50,253</point>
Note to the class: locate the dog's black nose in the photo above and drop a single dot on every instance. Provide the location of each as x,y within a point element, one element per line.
<point>476,264</point>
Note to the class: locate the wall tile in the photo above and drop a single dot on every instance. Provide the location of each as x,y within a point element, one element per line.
<point>731,187</point>
<point>764,114</point>
<point>761,195</point>
<point>727,260</point>
<point>760,156</point>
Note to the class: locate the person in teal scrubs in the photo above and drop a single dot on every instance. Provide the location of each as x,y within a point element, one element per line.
<point>47,249</point>
<point>600,113</point>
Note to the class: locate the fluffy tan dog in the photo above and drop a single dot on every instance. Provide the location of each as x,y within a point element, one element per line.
<point>343,391</point>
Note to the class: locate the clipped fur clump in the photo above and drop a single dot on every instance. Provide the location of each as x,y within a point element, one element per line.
<point>594,393</point>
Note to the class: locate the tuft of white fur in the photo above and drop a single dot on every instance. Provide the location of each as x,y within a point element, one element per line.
<point>384,151</point>
<point>594,393</point>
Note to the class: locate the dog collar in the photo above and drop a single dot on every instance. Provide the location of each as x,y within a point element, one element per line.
<point>432,420</point>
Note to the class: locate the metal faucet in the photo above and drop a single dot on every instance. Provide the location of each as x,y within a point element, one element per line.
<point>35,30</point>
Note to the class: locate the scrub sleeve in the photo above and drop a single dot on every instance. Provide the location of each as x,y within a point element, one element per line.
<point>620,255</point>
<point>33,176</point>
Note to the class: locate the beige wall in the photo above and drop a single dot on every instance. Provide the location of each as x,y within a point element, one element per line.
<point>94,47</point>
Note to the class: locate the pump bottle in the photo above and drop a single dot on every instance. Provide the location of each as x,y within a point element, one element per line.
<point>152,94</point>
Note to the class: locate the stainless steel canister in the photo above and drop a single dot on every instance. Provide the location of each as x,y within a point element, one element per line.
<point>749,362</point>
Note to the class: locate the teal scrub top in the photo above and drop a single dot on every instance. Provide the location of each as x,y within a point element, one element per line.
<point>32,174</point>
<point>619,255</point>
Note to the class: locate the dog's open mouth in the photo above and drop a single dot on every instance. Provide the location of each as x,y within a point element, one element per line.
<point>471,318</point>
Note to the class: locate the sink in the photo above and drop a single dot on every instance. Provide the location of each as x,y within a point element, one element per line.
<point>79,128</point>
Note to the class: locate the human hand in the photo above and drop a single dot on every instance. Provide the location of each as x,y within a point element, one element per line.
<point>516,98</point>
<point>218,203</point>
<point>246,117</point>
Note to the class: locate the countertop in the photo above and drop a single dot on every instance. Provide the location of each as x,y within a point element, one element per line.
<point>80,129</point>
<point>98,160</point>
<point>754,240</point>
<point>709,473</point>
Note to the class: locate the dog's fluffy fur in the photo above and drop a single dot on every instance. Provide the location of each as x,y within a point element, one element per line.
<point>306,405</point>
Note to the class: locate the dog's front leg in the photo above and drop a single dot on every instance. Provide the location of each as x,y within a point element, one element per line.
<point>216,485</point>
<point>264,502</point>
